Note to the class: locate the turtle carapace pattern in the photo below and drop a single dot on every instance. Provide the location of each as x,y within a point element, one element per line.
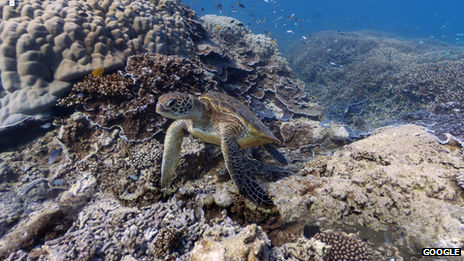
<point>218,119</point>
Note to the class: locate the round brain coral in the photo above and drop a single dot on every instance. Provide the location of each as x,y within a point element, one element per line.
<point>44,45</point>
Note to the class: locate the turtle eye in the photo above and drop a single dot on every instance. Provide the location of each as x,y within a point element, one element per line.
<point>171,102</point>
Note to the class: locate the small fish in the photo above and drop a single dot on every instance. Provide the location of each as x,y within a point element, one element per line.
<point>218,27</point>
<point>304,37</point>
<point>297,20</point>
<point>279,121</point>
<point>196,2</point>
<point>120,9</point>
<point>82,15</point>
<point>303,42</point>
<point>290,32</point>
<point>59,184</point>
<point>231,21</point>
<point>133,177</point>
<point>272,42</point>
<point>46,125</point>
<point>135,11</point>
<point>218,7</point>
<point>53,156</point>
<point>290,16</point>
<point>112,17</point>
<point>98,71</point>
<point>234,11</point>
<point>267,33</point>
<point>314,98</point>
<point>239,24</point>
<point>240,5</point>
<point>146,46</point>
<point>202,9</point>
<point>319,117</point>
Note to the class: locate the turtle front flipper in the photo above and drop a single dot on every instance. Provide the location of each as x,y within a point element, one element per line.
<point>172,143</point>
<point>241,171</point>
<point>275,153</point>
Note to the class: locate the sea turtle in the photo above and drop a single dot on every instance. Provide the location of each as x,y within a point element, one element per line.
<point>218,119</point>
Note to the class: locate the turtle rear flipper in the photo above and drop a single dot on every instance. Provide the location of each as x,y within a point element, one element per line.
<point>241,171</point>
<point>275,153</point>
<point>172,143</point>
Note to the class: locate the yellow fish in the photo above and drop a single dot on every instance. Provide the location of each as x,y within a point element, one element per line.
<point>273,42</point>
<point>314,97</point>
<point>218,27</point>
<point>98,71</point>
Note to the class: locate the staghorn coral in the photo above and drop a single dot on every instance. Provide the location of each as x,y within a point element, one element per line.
<point>344,247</point>
<point>128,101</point>
<point>45,45</point>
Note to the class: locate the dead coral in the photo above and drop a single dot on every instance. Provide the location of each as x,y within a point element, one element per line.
<point>344,247</point>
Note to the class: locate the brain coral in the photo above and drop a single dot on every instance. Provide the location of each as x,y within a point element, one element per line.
<point>44,45</point>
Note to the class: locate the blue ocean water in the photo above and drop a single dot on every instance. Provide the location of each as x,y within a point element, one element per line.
<point>290,20</point>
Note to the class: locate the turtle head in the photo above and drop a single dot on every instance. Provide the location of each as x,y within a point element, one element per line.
<point>177,105</point>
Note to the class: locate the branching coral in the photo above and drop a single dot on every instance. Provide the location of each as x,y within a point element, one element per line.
<point>395,76</point>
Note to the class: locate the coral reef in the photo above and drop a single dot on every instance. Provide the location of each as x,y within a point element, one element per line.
<point>44,45</point>
<point>128,101</point>
<point>89,187</point>
<point>250,66</point>
<point>366,78</point>
<point>396,189</point>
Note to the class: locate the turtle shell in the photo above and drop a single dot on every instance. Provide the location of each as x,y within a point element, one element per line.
<point>255,133</point>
